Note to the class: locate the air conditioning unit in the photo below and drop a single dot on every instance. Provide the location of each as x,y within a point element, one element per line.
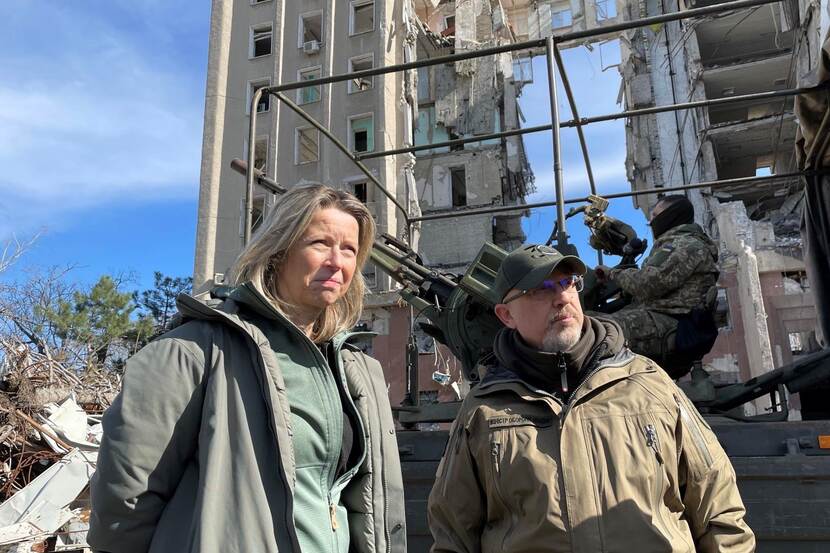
<point>311,47</point>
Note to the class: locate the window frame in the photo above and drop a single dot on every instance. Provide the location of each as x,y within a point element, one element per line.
<point>563,10</point>
<point>350,89</point>
<point>454,169</point>
<point>253,29</point>
<point>309,69</point>
<point>297,132</point>
<point>301,27</point>
<point>258,2</point>
<point>605,11</point>
<point>257,83</point>
<point>353,5</point>
<point>349,122</point>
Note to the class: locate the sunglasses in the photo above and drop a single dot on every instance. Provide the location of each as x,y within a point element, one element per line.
<point>550,287</point>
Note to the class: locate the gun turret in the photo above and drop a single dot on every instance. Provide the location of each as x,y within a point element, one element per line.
<point>459,309</point>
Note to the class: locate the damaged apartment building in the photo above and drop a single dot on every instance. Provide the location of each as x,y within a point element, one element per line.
<point>765,309</point>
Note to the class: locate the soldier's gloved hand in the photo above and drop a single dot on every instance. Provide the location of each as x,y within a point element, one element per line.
<point>603,273</point>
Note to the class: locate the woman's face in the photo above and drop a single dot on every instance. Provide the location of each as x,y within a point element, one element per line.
<point>319,268</point>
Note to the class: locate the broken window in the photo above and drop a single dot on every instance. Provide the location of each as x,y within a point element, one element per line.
<point>306,140</point>
<point>522,70</point>
<point>261,36</point>
<point>561,19</point>
<point>458,178</point>
<point>362,16</point>
<point>606,9</point>
<point>264,103</point>
<point>360,191</point>
<point>362,133</point>
<point>449,25</point>
<point>763,171</point>
<point>311,32</point>
<point>423,84</point>
<point>253,2</point>
<point>257,212</point>
<point>360,63</point>
<point>721,314</point>
<point>795,282</point>
<point>260,152</point>
<point>309,94</point>
<point>796,345</point>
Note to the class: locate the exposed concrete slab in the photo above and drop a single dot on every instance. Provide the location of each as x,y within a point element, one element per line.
<point>737,238</point>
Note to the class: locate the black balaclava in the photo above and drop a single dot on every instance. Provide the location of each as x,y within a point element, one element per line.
<point>678,211</point>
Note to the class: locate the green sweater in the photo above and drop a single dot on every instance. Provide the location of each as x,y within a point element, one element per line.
<point>316,395</point>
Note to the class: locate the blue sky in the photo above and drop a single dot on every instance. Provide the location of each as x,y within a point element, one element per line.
<point>101,126</point>
<point>101,108</point>
<point>595,91</point>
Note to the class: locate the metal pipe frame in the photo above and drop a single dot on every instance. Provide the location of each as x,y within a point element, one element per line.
<point>616,195</point>
<point>550,46</point>
<point>249,176</point>
<point>538,43</point>
<point>343,148</point>
<point>566,84</point>
<point>579,122</point>
<point>561,235</point>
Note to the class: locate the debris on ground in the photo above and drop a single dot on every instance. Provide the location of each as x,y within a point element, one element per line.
<point>50,430</point>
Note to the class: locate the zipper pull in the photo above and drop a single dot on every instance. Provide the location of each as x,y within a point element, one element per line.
<point>495,448</point>
<point>651,440</point>
<point>563,374</point>
<point>333,514</point>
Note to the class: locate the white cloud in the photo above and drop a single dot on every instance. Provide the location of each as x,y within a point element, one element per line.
<point>91,117</point>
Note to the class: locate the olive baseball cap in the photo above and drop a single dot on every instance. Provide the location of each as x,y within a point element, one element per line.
<point>527,267</point>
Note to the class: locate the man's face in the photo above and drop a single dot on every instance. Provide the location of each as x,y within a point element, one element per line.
<point>548,319</point>
<point>657,210</point>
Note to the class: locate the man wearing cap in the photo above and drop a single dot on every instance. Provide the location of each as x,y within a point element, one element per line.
<point>571,442</point>
<point>673,293</point>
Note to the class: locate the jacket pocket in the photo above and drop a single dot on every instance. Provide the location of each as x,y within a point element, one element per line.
<point>497,445</point>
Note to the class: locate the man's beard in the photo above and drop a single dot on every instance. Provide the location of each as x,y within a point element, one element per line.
<point>556,340</point>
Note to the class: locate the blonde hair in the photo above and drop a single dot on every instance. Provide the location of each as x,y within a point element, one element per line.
<point>261,260</point>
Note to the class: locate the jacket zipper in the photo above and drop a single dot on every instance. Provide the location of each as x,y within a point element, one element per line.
<point>495,450</point>
<point>697,435</point>
<point>569,404</point>
<point>563,375</point>
<point>652,442</point>
<point>333,514</point>
<point>495,455</point>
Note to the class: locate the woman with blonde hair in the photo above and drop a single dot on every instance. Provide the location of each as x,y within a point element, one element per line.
<point>255,426</point>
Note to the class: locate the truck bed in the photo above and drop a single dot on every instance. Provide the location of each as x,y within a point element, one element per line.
<point>783,475</point>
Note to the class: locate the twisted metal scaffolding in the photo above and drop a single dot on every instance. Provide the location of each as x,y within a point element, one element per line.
<point>550,46</point>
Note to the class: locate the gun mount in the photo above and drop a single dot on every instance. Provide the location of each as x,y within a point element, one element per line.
<point>459,309</point>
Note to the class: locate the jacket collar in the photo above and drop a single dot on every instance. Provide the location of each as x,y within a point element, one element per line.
<point>609,370</point>
<point>248,296</point>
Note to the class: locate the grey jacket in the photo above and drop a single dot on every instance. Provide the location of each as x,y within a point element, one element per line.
<point>197,453</point>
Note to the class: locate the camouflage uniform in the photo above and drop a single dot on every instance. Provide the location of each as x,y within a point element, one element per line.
<point>679,275</point>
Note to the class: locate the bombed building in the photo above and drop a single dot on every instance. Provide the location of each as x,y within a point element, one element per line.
<point>765,310</point>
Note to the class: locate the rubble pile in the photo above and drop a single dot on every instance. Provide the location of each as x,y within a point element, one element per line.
<point>50,428</point>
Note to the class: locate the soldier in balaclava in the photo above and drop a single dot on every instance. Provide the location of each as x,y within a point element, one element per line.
<point>674,292</point>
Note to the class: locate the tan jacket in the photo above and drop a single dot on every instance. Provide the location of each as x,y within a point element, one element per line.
<point>628,465</point>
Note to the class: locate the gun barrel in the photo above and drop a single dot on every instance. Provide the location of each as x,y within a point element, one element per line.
<point>803,373</point>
